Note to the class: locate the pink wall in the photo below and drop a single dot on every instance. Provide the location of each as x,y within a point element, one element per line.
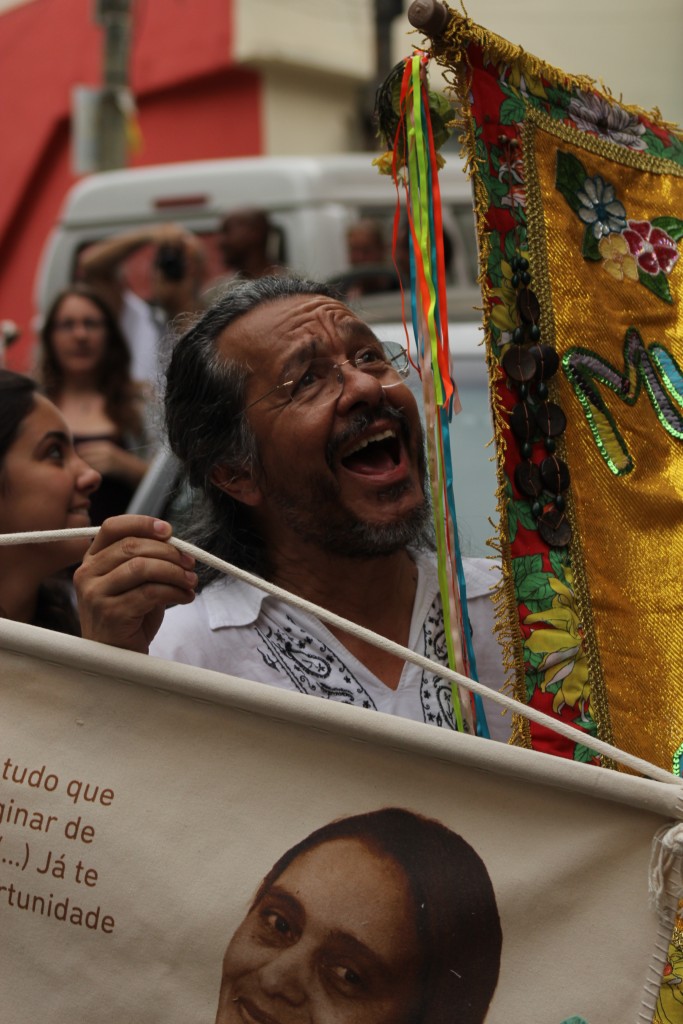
<point>194,103</point>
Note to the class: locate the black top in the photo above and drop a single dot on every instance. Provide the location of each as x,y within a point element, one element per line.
<point>113,495</point>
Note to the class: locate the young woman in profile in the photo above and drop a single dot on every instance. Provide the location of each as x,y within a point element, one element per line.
<point>381,918</point>
<point>85,371</point>
<point>44,485</point>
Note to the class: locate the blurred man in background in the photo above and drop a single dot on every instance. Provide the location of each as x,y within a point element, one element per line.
<point>371,269</point>
<point>366,243</point>
<point>250,246</point>
<point>247,241</point>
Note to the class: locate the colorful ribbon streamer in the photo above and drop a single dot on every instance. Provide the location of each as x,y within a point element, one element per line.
<point>415,141</point>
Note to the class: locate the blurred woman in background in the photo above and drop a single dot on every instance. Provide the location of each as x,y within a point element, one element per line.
<point>44,485</point>
<point>85,371</point>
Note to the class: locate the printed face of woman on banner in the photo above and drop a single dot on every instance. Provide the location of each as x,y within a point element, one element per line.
<point>347,929</point>
<point>334,939</point>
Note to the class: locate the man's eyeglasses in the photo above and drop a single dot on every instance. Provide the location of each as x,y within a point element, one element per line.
<point>321,380</point>
<point>87,323</point>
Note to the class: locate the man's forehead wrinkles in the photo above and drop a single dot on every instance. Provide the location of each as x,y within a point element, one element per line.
<point>273,339</point>
<point>353,325</point>
<point>343,325</point>
<point>318,318</point>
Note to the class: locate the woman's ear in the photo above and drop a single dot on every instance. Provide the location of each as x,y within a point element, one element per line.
<point>242,485</point>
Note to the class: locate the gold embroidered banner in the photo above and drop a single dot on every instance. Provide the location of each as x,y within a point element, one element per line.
<point>579,203</point>
<point>620,345</point>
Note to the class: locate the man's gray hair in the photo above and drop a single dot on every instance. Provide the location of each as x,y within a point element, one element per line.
<point>204,401</point>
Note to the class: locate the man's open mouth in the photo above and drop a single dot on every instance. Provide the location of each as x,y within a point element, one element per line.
<point>379,453</point>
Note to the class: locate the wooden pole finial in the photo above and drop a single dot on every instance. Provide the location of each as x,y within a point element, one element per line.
<point>429,16</point>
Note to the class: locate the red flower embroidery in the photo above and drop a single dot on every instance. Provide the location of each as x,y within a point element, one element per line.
<point>654,250</point>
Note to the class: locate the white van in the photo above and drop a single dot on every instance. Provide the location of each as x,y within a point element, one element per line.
<point>311,202</point>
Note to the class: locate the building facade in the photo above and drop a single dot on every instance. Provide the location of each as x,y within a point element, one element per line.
<point>211,78</point>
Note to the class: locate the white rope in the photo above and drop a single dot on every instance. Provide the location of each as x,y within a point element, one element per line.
<point>666,869</point>
<point>561,728</point>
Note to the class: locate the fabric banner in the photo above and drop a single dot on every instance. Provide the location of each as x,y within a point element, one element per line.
<point>142,803</point>
<point>578,200</point>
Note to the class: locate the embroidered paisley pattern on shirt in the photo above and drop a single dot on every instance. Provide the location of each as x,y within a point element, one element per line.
<point>435,693</point>
<point>311,665</point>
<point>316,668</point>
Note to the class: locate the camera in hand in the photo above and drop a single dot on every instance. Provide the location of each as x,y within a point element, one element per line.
<point>171,262</point>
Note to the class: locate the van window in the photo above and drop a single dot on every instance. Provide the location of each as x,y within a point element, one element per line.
<point>137,267</point>
<point>458,226</point>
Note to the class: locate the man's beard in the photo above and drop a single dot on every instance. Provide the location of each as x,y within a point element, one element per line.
<point>320,518</point>
<point>330,526</point>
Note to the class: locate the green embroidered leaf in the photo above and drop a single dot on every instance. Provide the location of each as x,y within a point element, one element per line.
<point>524,515</point>
<point>569,178</point>
<point>513,523</point>
<point>559,558</point>
<point>534,659</point>
<point>675,150</point>
<point>497,190</point>
<point>583,753</point>
<point>495,258</point>
<point>659,285</point>
<point>510,247</point>
<point>654,144</point>
<point>669,149</point>
<point>535,591</point>
<point>588,725</point>
<point>532,681</point>
<point>524,566</point>
<point>672,225</point>
<point>485,172</point>
<point>512,110</point>
<point>558,99</point>
<point>590,250</point>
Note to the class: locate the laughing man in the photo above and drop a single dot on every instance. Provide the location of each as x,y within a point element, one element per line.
<point>296,423</point>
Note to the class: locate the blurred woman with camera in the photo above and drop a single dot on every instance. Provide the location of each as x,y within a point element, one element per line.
<point>85,371</point>
<point>44,485</point>
<point>170,265</point>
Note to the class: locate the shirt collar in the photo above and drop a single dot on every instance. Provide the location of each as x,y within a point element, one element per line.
<point>231,602</point>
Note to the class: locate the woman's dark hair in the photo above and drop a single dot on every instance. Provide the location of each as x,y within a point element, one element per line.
<point>204,400</point>
<point>54,609</point>
<point>16,402</point>
<point>458,927</point>
<point>114,381</point>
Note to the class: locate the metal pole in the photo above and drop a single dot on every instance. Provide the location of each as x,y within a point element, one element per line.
<point>115,18</point>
